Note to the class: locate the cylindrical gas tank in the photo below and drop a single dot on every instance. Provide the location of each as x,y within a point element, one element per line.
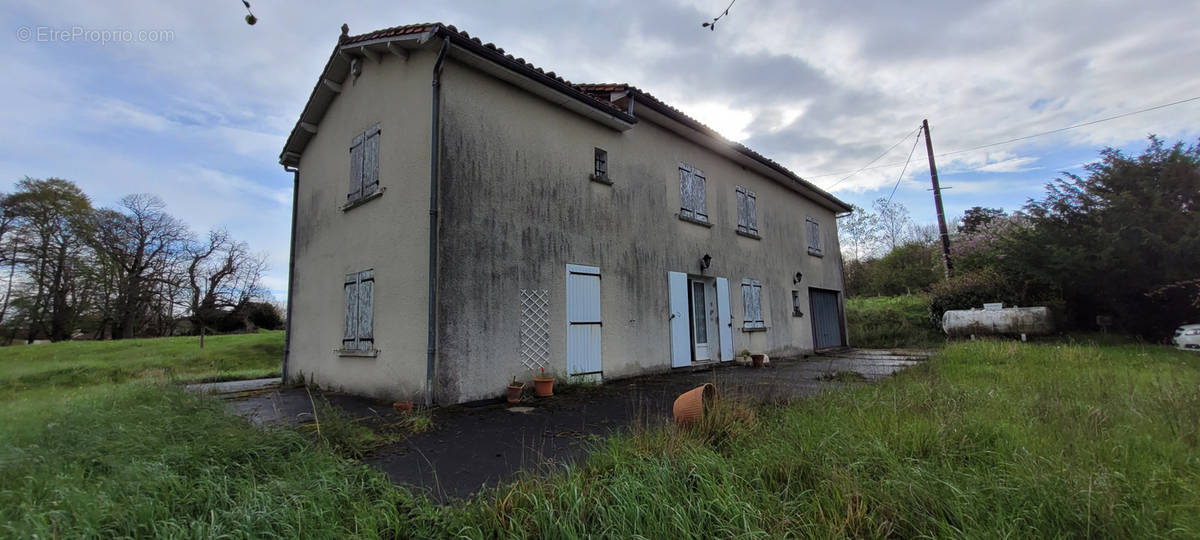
<point>1033,321</point>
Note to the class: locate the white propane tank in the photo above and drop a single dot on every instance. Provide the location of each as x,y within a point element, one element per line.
<point>1033,321</point>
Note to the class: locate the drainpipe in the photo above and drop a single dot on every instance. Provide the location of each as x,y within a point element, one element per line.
<point>434,140</point>
<point>287,329</point>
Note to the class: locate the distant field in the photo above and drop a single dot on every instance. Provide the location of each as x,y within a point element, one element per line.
<point>73,364</point>
<point>892,321</point>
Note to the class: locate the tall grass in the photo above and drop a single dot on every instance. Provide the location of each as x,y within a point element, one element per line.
<point>989,440</point>
<point>892,322</point>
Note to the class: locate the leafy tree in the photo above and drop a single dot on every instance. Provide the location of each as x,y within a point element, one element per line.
<point>909,268</point>
<point>1112,239</point>
<point>53,220</point>
<point>978,217</point>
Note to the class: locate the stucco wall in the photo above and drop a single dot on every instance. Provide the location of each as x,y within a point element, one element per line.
<point>517,206</point>
<point>388,234</point>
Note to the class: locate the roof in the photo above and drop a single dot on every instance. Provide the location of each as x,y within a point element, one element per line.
<point>595,96</point>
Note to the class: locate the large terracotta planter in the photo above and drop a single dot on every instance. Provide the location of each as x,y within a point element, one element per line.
<point>514,391</point>
<point>758,359</point>
<point>691,405</point>
<point>543,386</point>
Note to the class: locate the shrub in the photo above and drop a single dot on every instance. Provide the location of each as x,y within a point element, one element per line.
<point>973,289</point>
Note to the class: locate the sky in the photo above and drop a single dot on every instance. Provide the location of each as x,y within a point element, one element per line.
<point>186,101</point>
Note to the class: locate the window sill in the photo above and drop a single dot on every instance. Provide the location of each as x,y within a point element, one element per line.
<point>355,353</point>
<point>699,222</point>
<point>754,329</point>
<point>605,179</point>
<point>815,252</point>
<point>748,234</point>
<point>363,200</point>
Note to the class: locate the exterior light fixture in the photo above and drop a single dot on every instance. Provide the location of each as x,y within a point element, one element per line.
<point>705,262</point>
<point>797,278</point>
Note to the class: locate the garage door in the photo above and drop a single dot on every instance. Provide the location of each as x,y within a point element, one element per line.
<point>826,319</point>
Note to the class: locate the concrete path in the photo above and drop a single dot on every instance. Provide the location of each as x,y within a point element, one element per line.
<point>473,447</point>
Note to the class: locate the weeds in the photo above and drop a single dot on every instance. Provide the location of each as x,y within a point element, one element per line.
<point>843,376</point>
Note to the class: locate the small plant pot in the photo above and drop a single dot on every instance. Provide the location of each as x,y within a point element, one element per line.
<point>690,406</point>
<point>543,386</point>
<point>402,407</point>
<point>514,392</point>
<point>757,360</point>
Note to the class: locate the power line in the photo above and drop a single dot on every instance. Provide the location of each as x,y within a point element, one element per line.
<point>901,177</point>
<point>1016,139</point>
<point>864,167</point>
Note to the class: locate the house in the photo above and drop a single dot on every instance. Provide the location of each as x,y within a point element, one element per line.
<point>462,218</point>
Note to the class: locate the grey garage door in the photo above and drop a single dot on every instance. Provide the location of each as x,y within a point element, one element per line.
<point>826,318</point>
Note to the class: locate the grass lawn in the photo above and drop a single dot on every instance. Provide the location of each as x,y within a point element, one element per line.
<point>884,322</point>
<point>73,364</point>
<point>988,439</point>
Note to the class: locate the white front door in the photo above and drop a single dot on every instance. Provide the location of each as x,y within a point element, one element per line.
<point>583,321</point>
<point>703,318</point>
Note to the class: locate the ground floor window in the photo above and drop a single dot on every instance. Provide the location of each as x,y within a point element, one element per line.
<point>359,332</point>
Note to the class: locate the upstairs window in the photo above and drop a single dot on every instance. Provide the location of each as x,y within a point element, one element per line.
<point>752,314</point>
<point>814,237</point>
<point>364,165</point>
<point>693,206</point>
<point>747,220</point>
<point>359,332</point>
<point>601,163</point>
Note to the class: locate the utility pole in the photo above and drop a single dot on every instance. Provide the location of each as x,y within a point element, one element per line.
<point>937,201</point>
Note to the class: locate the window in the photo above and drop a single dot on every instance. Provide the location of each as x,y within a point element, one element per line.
<point>814,237</point>
<point>752,313</point>
<point>691,191</point>
<point>360,304</point>
<point>747,220</point>
<point>364,166</point>
<point>797,310</point>
<point>600,172</point>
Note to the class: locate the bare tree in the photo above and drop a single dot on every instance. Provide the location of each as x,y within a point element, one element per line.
<point>136,243</point>
<point>222,276</point>
<point>859,232</point>
<point>893,221</point>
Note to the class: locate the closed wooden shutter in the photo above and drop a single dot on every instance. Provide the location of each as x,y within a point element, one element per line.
<point>699,198</point>
<point>752,315</point>
<point>751,209</point>
<point>356,168</point>
<point>350,335</point>
<point>814,236</point>
<point>366,305</point>
<point>747,222</point>
<point>370,181</point>
<point>691,194</point>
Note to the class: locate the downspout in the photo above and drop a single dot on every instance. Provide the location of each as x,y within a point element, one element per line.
<point>434,140</point>
<point>287,329</point>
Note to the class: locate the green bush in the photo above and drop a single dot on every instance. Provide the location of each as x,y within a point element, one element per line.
<point>973,289</point>
<point>892,321</point>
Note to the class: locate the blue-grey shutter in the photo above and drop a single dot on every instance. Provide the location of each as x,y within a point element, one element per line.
<point>370,182</point>
<point>814,236</point>
<point>681,338</point>
<point>356,168</point>
<point>350,336</point>
<point>686,193</point>
<point>756,289</point>
<point>724,320</point>
<point>366,306</point>
<point>747,304</point>
<point>701,206</point>
<point>743,222</point>
<point>751,216</point>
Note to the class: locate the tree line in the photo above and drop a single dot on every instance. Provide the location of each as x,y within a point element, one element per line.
<point>1121,242</point>
<point>133,270</point>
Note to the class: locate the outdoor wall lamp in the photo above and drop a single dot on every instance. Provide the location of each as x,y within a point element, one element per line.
<point>705,262</point>
<point>796,280</point>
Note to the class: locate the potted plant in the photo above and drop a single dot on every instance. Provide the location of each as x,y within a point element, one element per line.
<point>543,386</point>
<point>743,357</point>
<point>515,389</point>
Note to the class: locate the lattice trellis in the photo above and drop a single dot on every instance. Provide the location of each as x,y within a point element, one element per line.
<point>535,328</point>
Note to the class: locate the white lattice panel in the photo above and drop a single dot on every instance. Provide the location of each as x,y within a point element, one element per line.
<point>535,328</point>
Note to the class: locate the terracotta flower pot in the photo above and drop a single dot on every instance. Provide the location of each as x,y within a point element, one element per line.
<point>543,386</point>
<point>515,389</point>
<point>758,359</point>
<point>690,406</point>
<point>402,407</point>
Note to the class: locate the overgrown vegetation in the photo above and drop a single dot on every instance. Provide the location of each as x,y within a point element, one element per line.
<point>73,364</point>
<point>886,322</point>
<point>1120,241</point>
<point>988,439</point>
